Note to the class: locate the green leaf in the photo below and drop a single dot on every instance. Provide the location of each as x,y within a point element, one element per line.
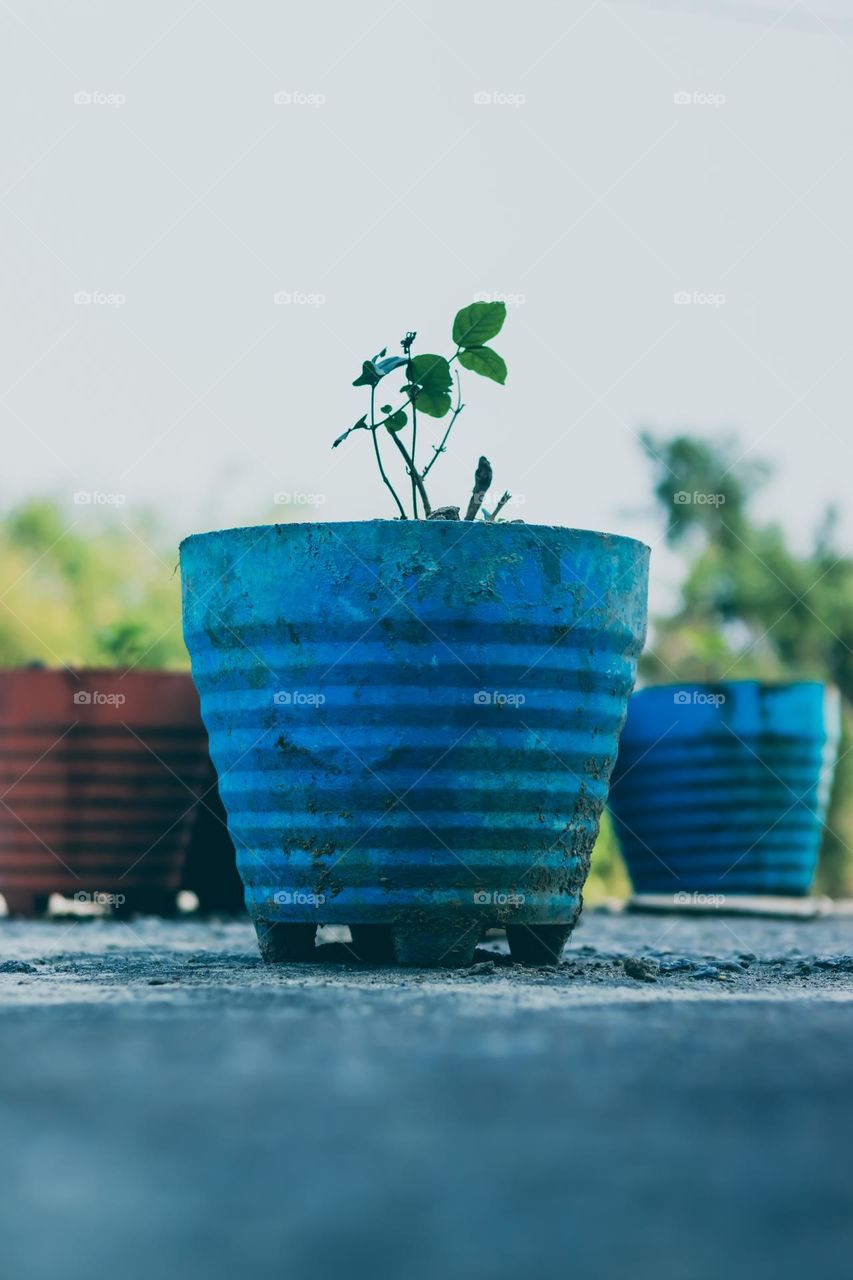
<point>397,421</point>
<point>391,362</point>
<point>368,376</point>
<point>485,361</point>
<point>478,323</point>
<point>385,408</point>
<point>431,374</point>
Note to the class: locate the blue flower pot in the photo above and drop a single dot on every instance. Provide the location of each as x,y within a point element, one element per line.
<point>722,788</point>
<point>413,724</point>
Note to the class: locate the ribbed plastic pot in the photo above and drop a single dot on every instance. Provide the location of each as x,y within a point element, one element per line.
<point>413,723</point>
<point>98,773</point>
<point>722,789</point>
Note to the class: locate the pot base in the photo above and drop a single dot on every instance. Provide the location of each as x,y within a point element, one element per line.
<point>450,945</point>
<point>373,943</point>
<point>537,944</point>
<point>280,943</point>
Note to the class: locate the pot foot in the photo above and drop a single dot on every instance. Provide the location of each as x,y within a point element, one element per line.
<point>537,943</point>
<point>373,943</point>
<point>21,902</point>
<point>447,947</point>
<point>280,943</point>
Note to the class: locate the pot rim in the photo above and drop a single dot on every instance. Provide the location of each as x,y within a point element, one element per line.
<point>505,526</point>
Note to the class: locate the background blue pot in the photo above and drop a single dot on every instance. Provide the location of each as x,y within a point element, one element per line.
<point>723,788</point>
<point>413,723</point>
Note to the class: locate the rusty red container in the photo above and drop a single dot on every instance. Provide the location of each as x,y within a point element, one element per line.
<point>99,774</point>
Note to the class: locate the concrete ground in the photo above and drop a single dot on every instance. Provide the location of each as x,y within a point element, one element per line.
<point>673,1102</point>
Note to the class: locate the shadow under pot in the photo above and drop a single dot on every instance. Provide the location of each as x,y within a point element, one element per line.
<point>723,788</point>
<point>99,772</point>
<point>413,724</point>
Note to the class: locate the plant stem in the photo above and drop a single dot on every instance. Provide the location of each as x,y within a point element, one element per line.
<point>373,429</point>
<point>410,466</point>
<point>456,412</point>
<point>414,472</point>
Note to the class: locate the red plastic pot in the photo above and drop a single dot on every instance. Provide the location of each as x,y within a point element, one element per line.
<point>99,773</point>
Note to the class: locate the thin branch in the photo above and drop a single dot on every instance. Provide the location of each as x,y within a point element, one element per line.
<point>373,430</point>
<point>415,476</point>
<point>482,482</point>
<point>437,449</point>
<point>504,499</point>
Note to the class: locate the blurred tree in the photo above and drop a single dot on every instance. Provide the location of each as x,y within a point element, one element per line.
<point>751,607</point>
<point>93,592</point>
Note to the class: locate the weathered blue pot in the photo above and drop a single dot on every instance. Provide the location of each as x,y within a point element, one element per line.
<point>723,788</point>
<point>413,723</point>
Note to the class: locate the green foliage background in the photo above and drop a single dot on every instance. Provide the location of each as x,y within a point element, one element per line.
<point>98,592</point>
<point>101,588</point>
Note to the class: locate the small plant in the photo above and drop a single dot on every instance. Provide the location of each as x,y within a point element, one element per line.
<point>427,391</point>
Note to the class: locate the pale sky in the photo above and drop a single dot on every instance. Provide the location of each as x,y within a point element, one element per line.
<point>383,196</point>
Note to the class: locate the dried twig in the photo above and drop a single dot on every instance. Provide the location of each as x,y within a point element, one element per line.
<point>482,482</point>
<point>503,500</point>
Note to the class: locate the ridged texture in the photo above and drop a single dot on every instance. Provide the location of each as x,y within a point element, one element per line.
<point>722,789</point>
<point>379,783</point>
<point>97,795</point>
